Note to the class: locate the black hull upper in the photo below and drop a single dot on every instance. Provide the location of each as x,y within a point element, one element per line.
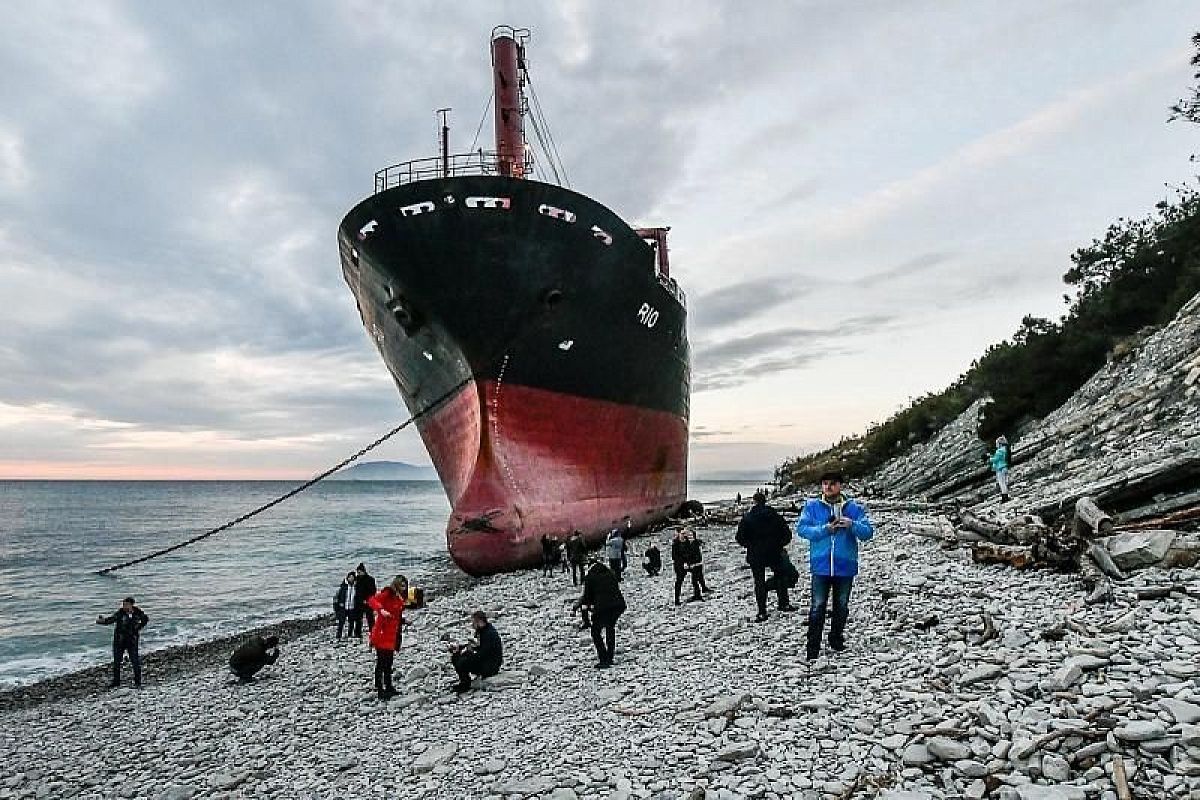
<point>488,278</point>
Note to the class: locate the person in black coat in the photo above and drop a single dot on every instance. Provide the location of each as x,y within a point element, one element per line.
<point>602,594</point>
<point>252,655</point>
<point>652,562</point>
<point>347,605</point>
<point>577,556</point>
<point>483,659</point>
<point>127,622</point>
<point>681,552</point>
<point>765,535</point>
<point>365,588</point>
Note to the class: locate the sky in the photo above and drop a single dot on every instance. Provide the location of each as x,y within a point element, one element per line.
<point>862,197</point>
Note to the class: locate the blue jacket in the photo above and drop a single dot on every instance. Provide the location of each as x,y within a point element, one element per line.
<point>1000,459</point>
<point>832,552</point>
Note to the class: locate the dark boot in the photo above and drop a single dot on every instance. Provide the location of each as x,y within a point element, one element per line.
<point>816,624</point>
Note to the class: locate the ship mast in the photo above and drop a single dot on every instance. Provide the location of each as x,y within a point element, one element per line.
<point>508,73</point>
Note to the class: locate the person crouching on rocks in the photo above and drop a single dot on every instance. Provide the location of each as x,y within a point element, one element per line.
<point>252,655</point>
<point>127,622</point>
<point>388,605</point>
<point>652,560</point>
<point>833,525</point>
<point>484,657</point>
<point>602,594</point>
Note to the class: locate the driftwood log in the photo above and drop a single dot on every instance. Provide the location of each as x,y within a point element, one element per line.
<point>1091,520</point>
<point>1018,556</point>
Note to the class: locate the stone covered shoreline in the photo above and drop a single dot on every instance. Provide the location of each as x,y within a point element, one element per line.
<point>701,703</point>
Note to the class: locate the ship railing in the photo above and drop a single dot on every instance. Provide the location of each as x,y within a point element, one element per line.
<point>421,169</point>
<point>671,286</point>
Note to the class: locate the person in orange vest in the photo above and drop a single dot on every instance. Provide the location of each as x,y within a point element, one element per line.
<point>386,635</point>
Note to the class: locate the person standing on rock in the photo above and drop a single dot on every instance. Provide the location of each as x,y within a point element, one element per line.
<point>577,555</point>
<point>347,605</point>
<point>681,553</point>
<point>602,594</point>
<point>833,525</point>
<point>365,589</point>
<point>765,535</point>
<point>127,622</point>
<point>252,655</point>
<point>696,559</point>
<point>484,658</point>
<point>614,551</point>
<point>549,555</point>
<point>386,634</point>
<point>999,462</point>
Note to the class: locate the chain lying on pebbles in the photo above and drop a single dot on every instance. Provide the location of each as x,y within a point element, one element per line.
<point>701,703</point>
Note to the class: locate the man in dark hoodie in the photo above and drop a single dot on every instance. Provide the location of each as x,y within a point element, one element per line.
<point>252,655</point>
<point>128,621</point>
<point>365,589</point>
<point>602,594</point>
<point>577,555</point>
<point>765,535</point>
<point>483,659</point>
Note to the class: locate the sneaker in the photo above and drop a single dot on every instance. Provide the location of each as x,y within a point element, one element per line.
<point>695,599</point>
<point>813,655</point>
<point>760,618</point>
<point>391,691</point>
<point>459,688</point>
<point>788,609</point>
<point>839,647</point>
<point>115,685</point>
<point>383,696</point>
<point>603,664</point>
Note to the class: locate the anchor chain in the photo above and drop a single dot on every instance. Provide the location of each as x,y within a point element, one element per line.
<point>293,492</point>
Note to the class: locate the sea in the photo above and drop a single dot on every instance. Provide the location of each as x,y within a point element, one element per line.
<point>283,564</point>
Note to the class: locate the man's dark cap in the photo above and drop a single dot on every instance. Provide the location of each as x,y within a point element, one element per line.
<point>129,600</point>
<point>361,568</point>
<point>271,641</point>
<point>833,475</point>
<point>759,497</point>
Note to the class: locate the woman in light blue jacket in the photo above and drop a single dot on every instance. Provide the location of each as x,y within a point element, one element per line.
<point>1000,467</point>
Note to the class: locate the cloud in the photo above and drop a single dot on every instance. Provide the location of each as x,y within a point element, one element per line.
<point>906,269</point>
<point>735,361</point>
<point>740,301</point>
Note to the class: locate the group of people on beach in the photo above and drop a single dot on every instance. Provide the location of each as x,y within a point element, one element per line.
<point>832,524</point>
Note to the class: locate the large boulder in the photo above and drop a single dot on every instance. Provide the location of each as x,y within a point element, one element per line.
<point>1137,549</point>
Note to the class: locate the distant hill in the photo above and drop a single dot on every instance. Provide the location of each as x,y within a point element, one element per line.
<point>384,471</point>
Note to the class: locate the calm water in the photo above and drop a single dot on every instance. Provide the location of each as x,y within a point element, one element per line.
<point>283,564</point>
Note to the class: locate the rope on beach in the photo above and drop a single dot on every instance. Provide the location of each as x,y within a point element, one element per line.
<point>297,490</point>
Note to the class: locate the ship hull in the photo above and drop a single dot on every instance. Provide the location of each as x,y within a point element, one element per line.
<point>525,323</point>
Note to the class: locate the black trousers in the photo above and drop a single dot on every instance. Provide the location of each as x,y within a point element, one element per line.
<point>466,664</point>
<point>369,613</point>
<point>616,565</point>
<point>698,576</point>
<point>578,572</point>
<point>652,570</point>
<point>340,614</point>
<point>760,589</point>
<point>355,618</point>
<point>604,634</point>
<point>120,648</point>
<point>383,669</point>
<point>679,576</point>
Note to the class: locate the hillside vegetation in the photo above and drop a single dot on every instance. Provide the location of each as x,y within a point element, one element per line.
<point>1133,278</point>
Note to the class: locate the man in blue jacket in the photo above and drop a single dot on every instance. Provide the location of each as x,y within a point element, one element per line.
<point>833,525</point>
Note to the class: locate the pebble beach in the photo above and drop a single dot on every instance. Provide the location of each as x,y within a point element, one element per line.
<point>702,702</point>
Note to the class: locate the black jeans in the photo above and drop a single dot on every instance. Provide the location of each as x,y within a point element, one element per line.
<point>760,589</point>
<point>369,613</point>
<point>578,572</point>
<point>604,634</point>
<point>679,576</point>
<point>383,669</point>
<point>698,576</point>
<point>355,618</point>
<point>824,587</point>
<point>120,648</point>
<point>340,614</point>
<point>467,663</point>
<point>615,565</point>
<point>652,570</point>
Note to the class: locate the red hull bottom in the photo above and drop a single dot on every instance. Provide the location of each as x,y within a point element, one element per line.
<point>519,463</point>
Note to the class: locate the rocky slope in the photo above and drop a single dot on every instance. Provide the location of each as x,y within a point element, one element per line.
<point>1130,433</point>
<point>702,703</point>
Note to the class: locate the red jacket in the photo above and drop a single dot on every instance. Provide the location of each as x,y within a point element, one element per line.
<point>385,633</point>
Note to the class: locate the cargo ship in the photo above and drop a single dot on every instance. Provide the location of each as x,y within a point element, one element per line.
<point>540,337</point>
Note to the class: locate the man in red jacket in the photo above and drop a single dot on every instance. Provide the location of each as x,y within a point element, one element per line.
<point>388,605</point>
